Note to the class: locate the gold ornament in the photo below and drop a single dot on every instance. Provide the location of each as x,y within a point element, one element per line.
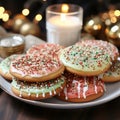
<point>18,20</point>
<point>113,33</point>
<point>109,17</point>
<point>30,28</point>
<point>93,26</point>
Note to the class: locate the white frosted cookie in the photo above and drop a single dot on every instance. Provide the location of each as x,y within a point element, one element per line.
<point>35,69</point>
<point>113,74</point>
<point>5,66</point>
<point>38,90</point>
<point>85,60</point>
<point>106,46</point>
<point>81,89</point>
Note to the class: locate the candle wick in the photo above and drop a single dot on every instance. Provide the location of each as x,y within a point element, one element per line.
<point>63,17</point>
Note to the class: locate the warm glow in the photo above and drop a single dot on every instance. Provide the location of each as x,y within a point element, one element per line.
<point>97,27</point>
<point>38,17</point>
<point>111,13</point>
<point>108,22</point>
<point>2,10</point>
<point>114,28</point>
<point>1,15</point>
<point>117,13</point>
<point>65,8</point>
<point>91,22</point>
<point>25,12</point>
<point>5,17</point>
<point>113,19</point>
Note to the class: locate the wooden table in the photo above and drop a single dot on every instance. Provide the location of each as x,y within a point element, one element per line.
<point>13,109</point>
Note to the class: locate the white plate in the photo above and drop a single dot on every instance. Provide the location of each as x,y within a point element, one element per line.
<point>112,92</point>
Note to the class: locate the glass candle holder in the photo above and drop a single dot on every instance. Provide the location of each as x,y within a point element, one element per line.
<point>64,23</point>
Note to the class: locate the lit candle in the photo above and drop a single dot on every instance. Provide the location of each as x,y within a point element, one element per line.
<point>64,28</point>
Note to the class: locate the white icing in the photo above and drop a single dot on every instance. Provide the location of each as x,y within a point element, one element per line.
<point>78,87</point>
<point>95,87</point>
<point>65,92</point>
<point>85,88</point>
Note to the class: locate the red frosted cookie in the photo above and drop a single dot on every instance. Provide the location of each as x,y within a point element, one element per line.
<point>34,68</point>
<point>45,49</point>
<point>106,46</point>
<point>81,89</point>
<point>85,60</point>
<point>39,90</point>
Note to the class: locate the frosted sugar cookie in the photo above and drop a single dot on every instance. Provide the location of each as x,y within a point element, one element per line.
<point>85,60</point>
<point>34,68</point>
<point>5,66</point>
<point>39,90</point>
<point>81,89</point>
<point>45,49</point>
<point>106,46</point>
<point>113,74</point>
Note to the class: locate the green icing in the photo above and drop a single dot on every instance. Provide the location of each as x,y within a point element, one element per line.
<point>38,88</point>
<point>5,64</point>
<point>85,58</point>
<point>114,70</point>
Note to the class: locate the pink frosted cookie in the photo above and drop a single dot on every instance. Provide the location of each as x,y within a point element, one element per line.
<point>34,68</point>
<point>113,74</point>
<point>45,49</point>
<point>81,89</point>
<point>85,60</point>
<point>107,46</point>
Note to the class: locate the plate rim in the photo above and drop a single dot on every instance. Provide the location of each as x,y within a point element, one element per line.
<point>66,105</point>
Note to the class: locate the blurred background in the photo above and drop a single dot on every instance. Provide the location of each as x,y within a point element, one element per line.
<point>101,17</point>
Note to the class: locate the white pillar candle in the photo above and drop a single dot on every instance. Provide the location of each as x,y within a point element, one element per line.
<point>64,24</point>
<point>64,30</point>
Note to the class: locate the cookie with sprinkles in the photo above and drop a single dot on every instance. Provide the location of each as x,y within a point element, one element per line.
<point>5,66</point>
<point>85,60</point>
<point>106,46</point>
<point>113,74</point>
<point>38,90</point>
<point>81,89</point>
<point>36,69</point>
<point>45,49</point>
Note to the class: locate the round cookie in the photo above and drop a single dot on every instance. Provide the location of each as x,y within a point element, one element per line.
<point>85,60</point>
<point>81,89</point>
<point>36,69</point>
<point>5,66</point>
<point>39,90</point>
<point>113,74</point>
<point>106,46</point>
<point>45,49</point>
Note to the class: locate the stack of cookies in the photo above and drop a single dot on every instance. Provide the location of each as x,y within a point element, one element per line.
<point>76,73</point>
<point>36,73</point>
<point>89,64</point>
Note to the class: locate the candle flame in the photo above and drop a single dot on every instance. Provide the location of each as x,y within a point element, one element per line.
<point>64,8</point>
